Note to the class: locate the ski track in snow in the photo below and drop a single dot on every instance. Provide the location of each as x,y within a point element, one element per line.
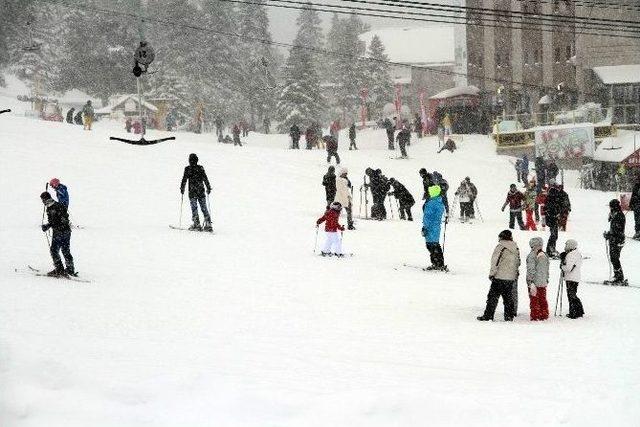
<point>249,328</point>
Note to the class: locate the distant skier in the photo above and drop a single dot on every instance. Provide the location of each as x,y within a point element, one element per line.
<point>344,196</point>
<point>329,183</point>
<point>334,129</point>
<point>570,264</point>
<point>552,171</point>
<point>503,273</point>
<point>465,199</point>
<point>61,192</point>
<point>634,205</point>
<point>78,118</point>
<point>309,136</point>
<point>615,236</point>
<point>541,173</point>
<point>518,168</point>
<point>474,196</point>
<point>128,125</point>
<point>197,177</point>
<point>553,208</point>
<point>236,135</point>
<point>537,279</point>
<point>332,148</point>
<point>404,139</point>
<point>450,146</point>
<point>295,133</point>
<point>70,115</point>
<point>444,188</point>
<point>530,196</point>
<point>379,187</point>
<point>417,126</point>
<point>352,137</point>
<point>565,209</point>
<point>431,224</point>
<point>514,201</point>
<point>58,222</point>
<point>524,169</point>
<point>390,129</point>
<point>404,198</point>
<point>333,242</point>
<point>89,115</point>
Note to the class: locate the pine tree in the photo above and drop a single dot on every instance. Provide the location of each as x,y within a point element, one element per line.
<point>377,77</point>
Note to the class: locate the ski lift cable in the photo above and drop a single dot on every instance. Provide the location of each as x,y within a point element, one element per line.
<point>594,4</point>
<point>285,45</point>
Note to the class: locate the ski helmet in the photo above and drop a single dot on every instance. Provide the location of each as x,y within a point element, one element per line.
<point>536,242</point>
<point>615,204</point>
<point>54,182</point>
<point>336,206</point>
<point>193,159</point>
<point>570,245</point>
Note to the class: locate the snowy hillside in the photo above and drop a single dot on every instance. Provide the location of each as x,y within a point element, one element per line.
<point>247,327</point>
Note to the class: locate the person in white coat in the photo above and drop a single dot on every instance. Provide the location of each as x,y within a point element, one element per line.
<point>570,264</point>
<point>344,196</point>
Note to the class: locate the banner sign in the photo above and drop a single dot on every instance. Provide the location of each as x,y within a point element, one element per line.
<point>565,142</point>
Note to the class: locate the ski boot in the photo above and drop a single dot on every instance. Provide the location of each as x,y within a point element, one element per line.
<point>207,226</point>
<point>195,227</point>
<point>617,282</point>
<point>636,236</point>
<point>484,318</point>
<point>70,271</point>
<point>57,272</point>
<point>325,254</point>
<point>351,227</point>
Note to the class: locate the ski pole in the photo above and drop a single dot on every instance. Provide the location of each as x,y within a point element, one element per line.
<point>559,296</point>
<point>478,209</point>
<point>44,209</point>
<point>606,246</point>
<point>181,203</point>
<point>360,206</point>
<point>390,208</point>
<point>315,243</point>
<point>444,235</point>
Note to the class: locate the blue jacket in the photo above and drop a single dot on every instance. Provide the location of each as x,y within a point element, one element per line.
<point>432,219</point>
<point>63,195</point>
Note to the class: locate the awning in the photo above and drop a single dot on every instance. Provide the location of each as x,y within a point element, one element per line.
<point>618,74</point>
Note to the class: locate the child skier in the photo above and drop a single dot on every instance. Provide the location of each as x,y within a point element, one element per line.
<point>333,242</point>
<point>530,196</point>
<point>537,279</point>
<point>570,264</point>
<point>61,236</point>
<point>61,191</point>
<point>197,177</point>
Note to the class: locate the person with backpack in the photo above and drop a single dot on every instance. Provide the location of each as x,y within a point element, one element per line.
<point>344,196</point>
<point>570,265</point>
<point>537,280</point>
<point>439,180</point>
<point>58,222</point>
<point>329,183</point>
<point>352,137</point>
<point>431,224</point>
<point>465,199</point>
<point>197,178</point>
<point>404,198</point>
<point>514,201</point>
<point>333,242</point>
<point>503,273</point>
<point>404,139</point>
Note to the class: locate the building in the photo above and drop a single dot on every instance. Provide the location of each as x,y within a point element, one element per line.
<point>619,88</point>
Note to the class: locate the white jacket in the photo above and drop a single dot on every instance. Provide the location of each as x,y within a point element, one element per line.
<point>343,192</point>
<point>571,266</point>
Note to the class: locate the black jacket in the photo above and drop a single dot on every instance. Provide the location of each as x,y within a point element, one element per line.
<point>295,132</point>
<point>197,178</point>
<point>58,218</point>
<point>552,170</point>
<point>634,202</point>
<point>554,203</point>
<point>404,136</point>
<point>566,203</point>
<point>70,115</point>
<point>617,223</point>
<point>352,132</point>
<point>329,182</point>
<point>402,194</point>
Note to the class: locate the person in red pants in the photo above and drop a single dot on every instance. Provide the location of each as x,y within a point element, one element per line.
<point>529,206</point>
<point>537,279</point>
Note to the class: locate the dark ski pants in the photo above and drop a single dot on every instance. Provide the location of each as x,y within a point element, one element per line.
<point>349,210</point>
<point>390,138</point>
<point>352,144</point>
<point>403,150</point>
<point>236,141</point>
<point>295,143</point>
<point>330,198</point>
<point>435,254</point>
<point>636,218</point>
<point>331,154</point>
<point>500,288</point>
<point>194,209</point>
<point>614,255</point>
<point>61,242</point>
<point>575,305</point>
<point>552,222</point>
<point>405,210</point>
<point>513,216</point>
<point>466,210</point>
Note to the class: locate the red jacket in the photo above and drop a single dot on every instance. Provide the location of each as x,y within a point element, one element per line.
<point>515,200</point>
<point>331,217</point>
<point>541,200</point>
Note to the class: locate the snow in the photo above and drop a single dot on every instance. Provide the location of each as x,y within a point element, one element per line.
<point>618,74</point>
<point>76,98</point>
<point>457,91</point>
<point>429,45</point>
<point>618,148</point>
<point>124,98</point>
<point>248,327</point>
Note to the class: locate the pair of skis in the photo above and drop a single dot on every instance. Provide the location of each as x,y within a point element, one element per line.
<point>175,227</point>
<point>37,272</point>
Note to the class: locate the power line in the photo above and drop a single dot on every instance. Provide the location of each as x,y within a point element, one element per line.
<point>593,4</point>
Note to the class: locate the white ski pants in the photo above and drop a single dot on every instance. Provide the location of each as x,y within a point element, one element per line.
<point>333,243</point>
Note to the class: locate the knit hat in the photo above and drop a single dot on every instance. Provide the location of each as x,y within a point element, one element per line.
<point>193,159</point>
<point>336,206</point>
<point>505,235</point>
<point>434,191</point>
<point>344,171</point>
<point>54,182</point>
<point>45,196</point>
<point>570,245</point>
<point>615,204</point>
<point>536,242</point>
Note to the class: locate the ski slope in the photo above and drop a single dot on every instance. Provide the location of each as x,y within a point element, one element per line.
<point>247,327</point>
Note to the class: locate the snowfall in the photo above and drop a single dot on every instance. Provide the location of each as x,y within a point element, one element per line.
<point>248,327</point>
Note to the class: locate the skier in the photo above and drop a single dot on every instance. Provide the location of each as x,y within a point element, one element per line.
<point>128,125</point>
<point>78,118</point>
<point>450,146</point>
<point>634,205</point>
<point>404,198</point>
<point>427,181</point>
<point>220,127</point>
<point>431,224</point>
<point>417,126</point>
<point>391,129</point>
<point>333,242</point>
<point>564,210</point>
<point>329,183</point>
<point>294,133</point>
<point>465,198</point>
<point>446,123</point>
<point>344,196</point>
<point>552,171</point>
<point>474,196</point>
<point>379,188</point>
<point>518,167</point>
<point>529,206</point>
<point>89,115</point>
<point>197,177</point>
<point>537,279</point>
<point>58,221</point>
<point>236,135</point>
<point>615,236</point>
<point>444,188</point>
<point>553,208</point>
<point>514,201</point>
<point>541,202</point>
<point>266,124</point>
<point>70,115</point>
<point>352,137</point>
<point>541,173</point>
<point>404,139</point>
<point>309,136</point>
<point>570,265</point>
<point>332,148</point>
<point>524,169</point>
<point>505,262</point>
<point>61,192</point>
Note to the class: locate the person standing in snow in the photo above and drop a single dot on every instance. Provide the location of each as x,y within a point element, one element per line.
<point>518,167</point>
<point>417,126</point>
<point>553,208</point>
<point>58,222</point>
<point>344,196</point>
<point>503,273</point>
<point>541,174</point>
<point>329,183</point>
<point>529,206</point>
<point>70,115</point>
<point>379,188</point>
<point>552,171</point>
<point>88,113</point>
<point>404,139</point>
<point>332,148</point>
<point>465,198</point>
<point>634,205</point>
<point>333,242</point>
<point>616,238</point>
<point>236,135</point>
<point>565,209</point>
<point>541,202</point>
<point>431,224</point>
<point>61,192</point>
<point>334,129</point>
<point>197,177</point>
<point>447,125</point>
<point>439,180</point>
<point>537,279</point>
<point>309,136</point>
<point>514,201</point>
<point>524,169</point>
<point>391,129</point>
<point>570,265</point>
<point>352,137</point>
<point>294,133</point>
<point>404,198</point>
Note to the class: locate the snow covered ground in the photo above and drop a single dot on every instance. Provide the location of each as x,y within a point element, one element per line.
<point>248,327</point>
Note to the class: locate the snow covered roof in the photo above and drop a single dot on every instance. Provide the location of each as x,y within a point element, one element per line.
<point>109,109</point>
<point>544,100</point>
<point>457,91</point>
<point>618,74</point>
<point>77,97</point>
<point>433,45</point>
<point>617,148</point>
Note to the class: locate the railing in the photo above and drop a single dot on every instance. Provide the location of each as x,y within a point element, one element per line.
<point>590,114</point>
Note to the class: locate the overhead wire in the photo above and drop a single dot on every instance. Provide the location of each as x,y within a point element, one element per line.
<point>588,4</point>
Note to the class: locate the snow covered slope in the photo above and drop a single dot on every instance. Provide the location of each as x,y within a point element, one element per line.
<point>248,327</point>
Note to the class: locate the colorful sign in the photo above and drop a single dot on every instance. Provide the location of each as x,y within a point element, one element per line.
<point>633,161</point>
<point>565,142</point>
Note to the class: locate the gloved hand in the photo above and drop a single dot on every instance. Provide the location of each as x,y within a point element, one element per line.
<point>533,290</point>
<point>503,209</point>
<point>182,191</point>
<point>208,191</point>
<point>563,255</point>
<point>491,278</point>
<point>45,227</point>
<point>424,232</point>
